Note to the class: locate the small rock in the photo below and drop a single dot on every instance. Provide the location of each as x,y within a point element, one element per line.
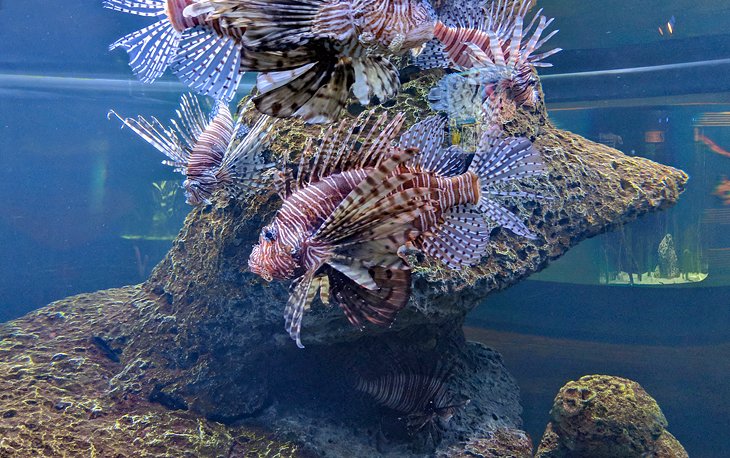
<point>601,416</point>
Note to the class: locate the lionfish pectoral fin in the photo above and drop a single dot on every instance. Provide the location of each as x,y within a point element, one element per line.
<point>317,93</point>
<point>151,49</point>
<point>379,306</point>
<point>209,63</point>
<point>366,199</point>
<point>374,76</point>
<point>323,285</point>
<point>355,271</point>
<point>164,140</point>
<point>301,296</point>
<point>148,8</point>
<point>462,238</point>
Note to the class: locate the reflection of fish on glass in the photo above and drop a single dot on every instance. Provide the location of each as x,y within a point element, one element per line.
<point>610,139</point>
<point>722,190</point>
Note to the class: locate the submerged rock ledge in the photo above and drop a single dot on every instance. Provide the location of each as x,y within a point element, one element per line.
<point>150,369</point>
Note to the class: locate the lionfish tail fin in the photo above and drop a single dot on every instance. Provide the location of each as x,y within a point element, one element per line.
<point>151,49</point>
<point>208,63</point>
<point>461,239</point>
<point>316,92</point>
<point>427,137</point>
<point>501,161</point>
<point>243,165</point>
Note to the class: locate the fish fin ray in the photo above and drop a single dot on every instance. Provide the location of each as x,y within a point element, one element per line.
<point>301,295</point>
<point>149,8</point>
<point>151,49</point>
<point>461,239</point>
<point>379,306</point>
<point>427,137</point>
<point>209,63</point>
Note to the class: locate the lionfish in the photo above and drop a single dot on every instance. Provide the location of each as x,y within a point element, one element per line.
<point>419,391</point>
<point>208,150</point>
<point>311,52</point>
<point>357,199</point>
<point>203,53</point>
<point>497,39</point>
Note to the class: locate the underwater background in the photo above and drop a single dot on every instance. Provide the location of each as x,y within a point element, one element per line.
<point>86,206</point>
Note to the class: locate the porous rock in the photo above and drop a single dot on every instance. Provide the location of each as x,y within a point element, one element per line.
<point>56,399</point>
<point>603,416</point>
<point>206,337</point>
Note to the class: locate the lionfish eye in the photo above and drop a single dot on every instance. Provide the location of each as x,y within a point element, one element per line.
<point>268,234</point>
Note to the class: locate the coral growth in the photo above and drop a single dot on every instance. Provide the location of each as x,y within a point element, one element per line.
<point>606,417</point>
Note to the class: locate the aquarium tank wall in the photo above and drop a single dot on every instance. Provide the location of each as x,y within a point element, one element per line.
<point>87,206</point>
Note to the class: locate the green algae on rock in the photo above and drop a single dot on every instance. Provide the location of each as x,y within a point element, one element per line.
<point>606,417</point>
<point>55,397</point>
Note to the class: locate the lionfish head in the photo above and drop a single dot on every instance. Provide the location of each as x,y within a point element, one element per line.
<point>523,85</point>
<point>194,193</point>
<point>270,258</point>
<point>199,187</point>
<point>416,37</point>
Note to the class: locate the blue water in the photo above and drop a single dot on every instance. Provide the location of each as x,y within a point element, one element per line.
<point>75,185</point>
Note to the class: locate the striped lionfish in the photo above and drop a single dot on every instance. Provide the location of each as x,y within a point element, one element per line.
<point>496,42</point>
<point>418,391</point>
<point>357,199</point>
<point>203,53</point>
<point>311,52</point>
<point>207,151</point>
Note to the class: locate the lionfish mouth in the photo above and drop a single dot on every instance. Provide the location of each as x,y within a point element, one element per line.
<point>256,268</point>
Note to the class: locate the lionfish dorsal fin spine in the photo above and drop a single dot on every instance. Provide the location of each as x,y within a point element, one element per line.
<point>163,139</point>
<point>362,199</point>
<point>379,148</point>
<point>242,165</point>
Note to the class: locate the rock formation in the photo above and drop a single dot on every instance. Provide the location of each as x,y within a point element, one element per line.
<point>202,340</point>
<point>607,417</point>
